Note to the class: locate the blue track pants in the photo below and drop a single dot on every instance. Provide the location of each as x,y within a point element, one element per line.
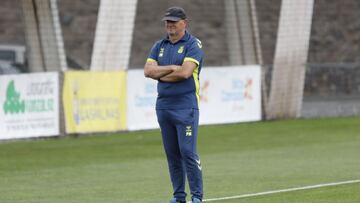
<point>179,129</point>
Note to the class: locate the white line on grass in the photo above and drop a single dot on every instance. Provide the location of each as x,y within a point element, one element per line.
<point>282,190</point>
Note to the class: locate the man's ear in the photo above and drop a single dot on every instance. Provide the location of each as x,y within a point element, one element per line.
<point>185,22</point>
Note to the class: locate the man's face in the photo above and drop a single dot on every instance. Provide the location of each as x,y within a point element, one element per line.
<point>174,28</point>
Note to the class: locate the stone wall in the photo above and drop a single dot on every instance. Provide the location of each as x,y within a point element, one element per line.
<point>334,39</point>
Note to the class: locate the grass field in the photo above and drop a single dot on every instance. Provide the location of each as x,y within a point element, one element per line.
<point>237,159</point>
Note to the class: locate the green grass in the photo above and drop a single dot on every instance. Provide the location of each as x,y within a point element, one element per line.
<point>237,159</point>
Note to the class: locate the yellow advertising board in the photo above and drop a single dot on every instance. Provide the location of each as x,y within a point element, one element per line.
<point>95,101</point>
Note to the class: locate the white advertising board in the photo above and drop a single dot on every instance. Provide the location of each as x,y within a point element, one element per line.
<point>230,94</point>
<point>142,93</point>
<point>29,105</point>
<point>227,95</point>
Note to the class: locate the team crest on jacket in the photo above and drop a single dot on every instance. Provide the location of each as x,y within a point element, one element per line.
<point>181,49</point>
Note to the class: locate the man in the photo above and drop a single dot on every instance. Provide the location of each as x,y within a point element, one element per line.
<point>176,62</point>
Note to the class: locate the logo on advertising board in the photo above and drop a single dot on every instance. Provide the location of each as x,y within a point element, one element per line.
<point>204,91</point>
<point>75,91</point>
<point>240,90</point>
<point>248,89</point>
<point>14,104</point>
<point>148,97</point>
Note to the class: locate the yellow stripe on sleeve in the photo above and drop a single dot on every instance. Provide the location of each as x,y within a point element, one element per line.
<point>196,78</point>
<point>150,60</point>
<point>192,60</point>
<point>197,84</point>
